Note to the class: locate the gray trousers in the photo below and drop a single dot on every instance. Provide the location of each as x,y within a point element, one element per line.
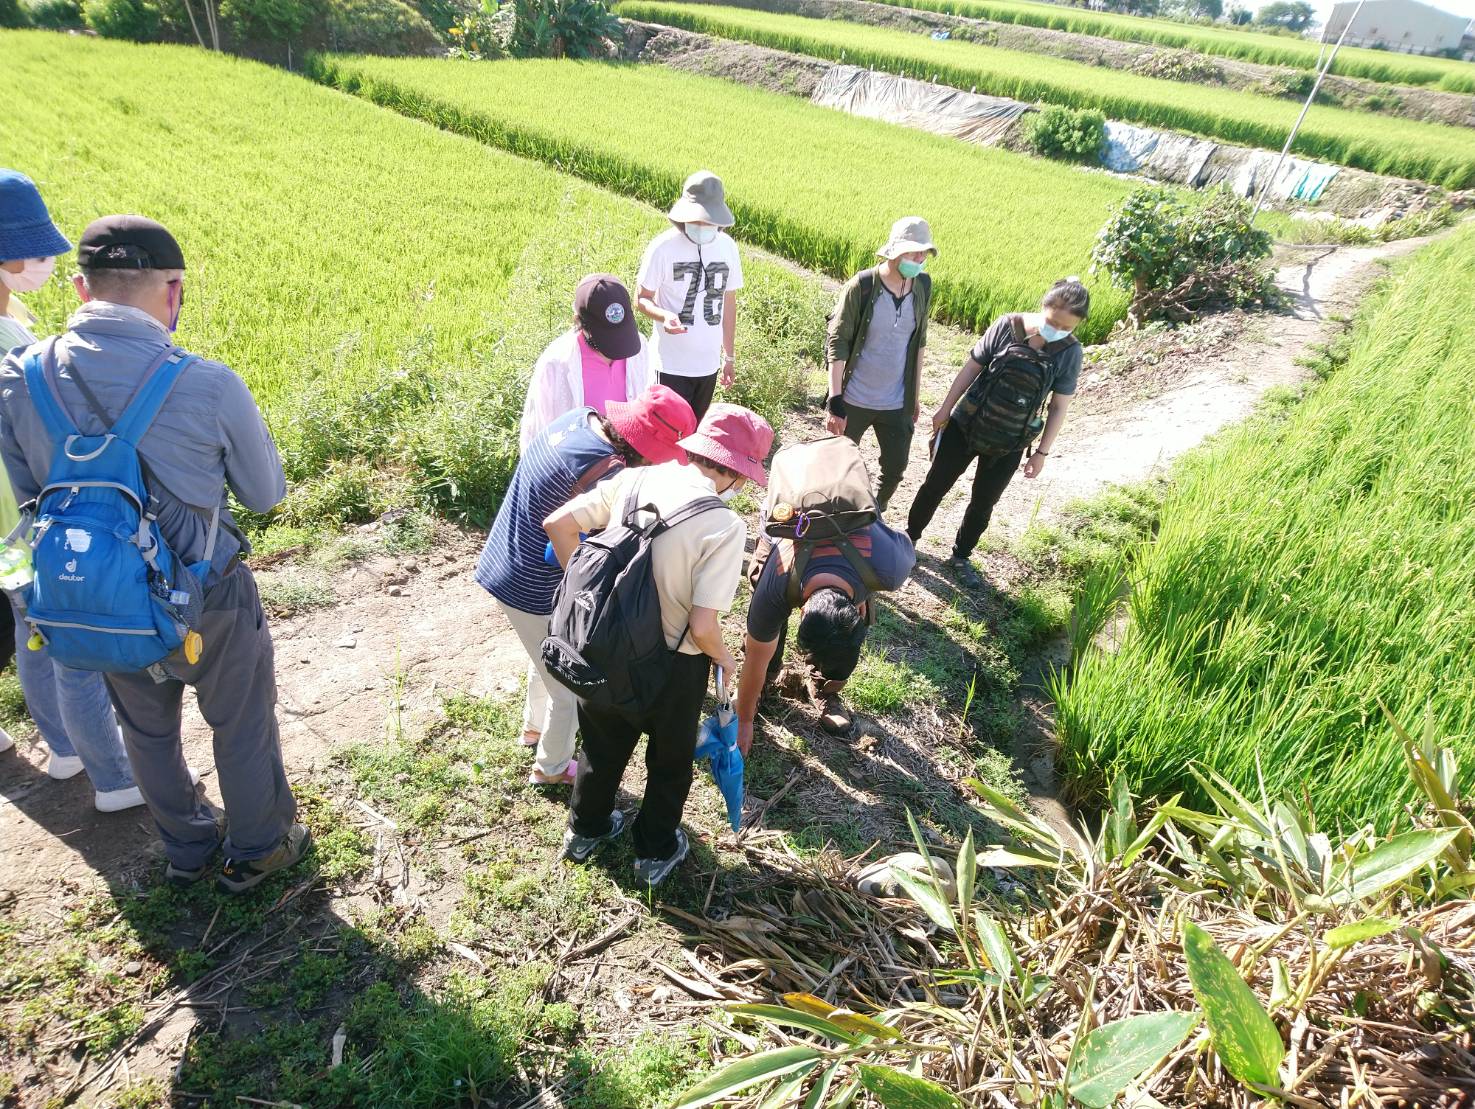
<point>236,688</point>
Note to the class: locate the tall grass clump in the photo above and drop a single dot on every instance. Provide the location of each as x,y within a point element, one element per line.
<point>811,184</point>
<point>1225,42</point>
<point>383,287</point>
<point>1433,152</point>
<point>1308,566</point>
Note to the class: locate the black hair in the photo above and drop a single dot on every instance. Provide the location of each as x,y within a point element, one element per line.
<point>628,454</point>
<point>1069,295</point>
<point>831,632</point>
<point>717,467</point>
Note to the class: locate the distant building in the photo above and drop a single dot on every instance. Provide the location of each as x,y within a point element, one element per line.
<point>1407,26</point>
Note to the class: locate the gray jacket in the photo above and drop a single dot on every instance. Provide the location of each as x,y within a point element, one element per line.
<point>208,435</point>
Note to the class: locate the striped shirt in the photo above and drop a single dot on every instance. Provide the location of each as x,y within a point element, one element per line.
<point>561,462</point>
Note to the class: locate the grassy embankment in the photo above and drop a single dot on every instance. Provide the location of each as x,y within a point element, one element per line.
<point>1431,152</point>
<point>805,182</point>
<point>1223,41</point>
<point>1308,566</point>
<point>384,288</point>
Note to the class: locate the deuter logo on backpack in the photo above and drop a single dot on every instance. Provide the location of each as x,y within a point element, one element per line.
<point>108,592</point>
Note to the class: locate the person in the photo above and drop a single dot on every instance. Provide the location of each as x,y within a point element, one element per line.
<point>602,358</point>
<point>208,435</point>
<point>566,459</point>
<point>70,708</point>
<point>1064,307</point>
<point>697,565</point>
<point>688,282</point>
<point>875,341</point>
<point>836,609</point>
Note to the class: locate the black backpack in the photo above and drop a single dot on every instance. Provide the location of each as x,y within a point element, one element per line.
<point>605,641</point>
<point>1000,412</point>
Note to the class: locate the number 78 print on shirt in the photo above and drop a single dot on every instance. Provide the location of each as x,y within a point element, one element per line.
<point>691,281</point>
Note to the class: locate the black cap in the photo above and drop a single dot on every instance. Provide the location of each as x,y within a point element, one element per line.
<point>602,306</point>
<point>128,243</point>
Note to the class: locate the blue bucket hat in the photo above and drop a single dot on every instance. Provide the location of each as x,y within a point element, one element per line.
<point>26,230</point>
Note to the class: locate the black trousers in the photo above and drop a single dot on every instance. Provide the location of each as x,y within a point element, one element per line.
<point>696,391</point>
<point>609,741</point>
<point>990,479</point>
<point>893,436</point>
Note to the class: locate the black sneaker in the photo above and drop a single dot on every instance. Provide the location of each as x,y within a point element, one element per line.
<point>237,876</point>
<point>178,876</point>
<point>577,848</point>
<point>655,871</point>
<point>963,572</point>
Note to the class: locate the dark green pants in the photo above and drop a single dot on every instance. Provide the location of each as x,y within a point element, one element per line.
<point>893,436</point>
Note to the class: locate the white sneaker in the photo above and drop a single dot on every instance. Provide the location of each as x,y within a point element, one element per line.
<point>62,767</point>
<point>6,742</point>
<point>117,800</point>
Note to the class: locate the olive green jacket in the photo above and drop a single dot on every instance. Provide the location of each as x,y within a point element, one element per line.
<point>851,319</point>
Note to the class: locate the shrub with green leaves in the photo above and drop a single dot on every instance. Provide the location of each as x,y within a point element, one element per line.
<point>138,20</point>
<point>1180,256</point>
<point>562,29</point>
<point>1074,134</point>
<point>377,27</point>
<point>54,15</point>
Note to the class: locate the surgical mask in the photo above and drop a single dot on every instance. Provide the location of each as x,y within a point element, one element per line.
<point>1053,334</point>
<point>32,276</point>
<point>178,308</point>
<point>701,233</point>
<point>910,269</point>
<point>731,491</point>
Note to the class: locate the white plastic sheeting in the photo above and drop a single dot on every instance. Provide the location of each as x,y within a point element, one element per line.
<point>1185,160</point>
<point>935,108</point>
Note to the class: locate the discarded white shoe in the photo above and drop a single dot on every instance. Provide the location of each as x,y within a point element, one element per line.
<point>117,800</point>
<point>6,742</point>
<point>62,767</point>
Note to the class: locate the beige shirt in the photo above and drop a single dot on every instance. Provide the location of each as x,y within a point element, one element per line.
<point>697,564</point>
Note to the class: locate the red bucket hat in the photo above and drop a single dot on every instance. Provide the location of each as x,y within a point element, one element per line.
<point>735,437</point>
<point>653,423</point>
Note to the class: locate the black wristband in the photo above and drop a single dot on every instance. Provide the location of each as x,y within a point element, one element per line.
<point>836,407</point>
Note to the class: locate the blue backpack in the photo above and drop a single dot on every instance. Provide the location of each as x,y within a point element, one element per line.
<point>109,594</point>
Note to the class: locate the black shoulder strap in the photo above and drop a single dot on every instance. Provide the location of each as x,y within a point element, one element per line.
<point>794,592</point>
<point>1016,325</point>
<point>866,282</point>
<point>665,523</point>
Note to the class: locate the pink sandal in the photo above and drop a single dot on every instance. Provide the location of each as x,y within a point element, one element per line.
<point>570,772</point>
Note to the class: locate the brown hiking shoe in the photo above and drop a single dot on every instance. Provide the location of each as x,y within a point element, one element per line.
<point>178,875</point>
<point>237,876</point>
<point>834,717</point>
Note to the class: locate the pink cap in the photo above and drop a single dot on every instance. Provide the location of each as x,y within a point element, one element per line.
<point>735,437</point>
<point>653,423</point>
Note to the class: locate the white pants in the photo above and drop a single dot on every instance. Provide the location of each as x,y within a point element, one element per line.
<point>549,708</point>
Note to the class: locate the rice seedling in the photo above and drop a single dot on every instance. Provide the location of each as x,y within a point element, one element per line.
<point>1226,42</point>
<point>1307,567</point>
<point>383,287</point>
<point>1430,152</point>
<point>809,183</point>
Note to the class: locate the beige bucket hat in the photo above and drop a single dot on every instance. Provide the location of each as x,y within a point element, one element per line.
<point>702,201</point>
<point>908,234</point>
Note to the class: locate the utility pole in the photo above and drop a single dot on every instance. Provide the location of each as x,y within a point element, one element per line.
<point>1320,76</point>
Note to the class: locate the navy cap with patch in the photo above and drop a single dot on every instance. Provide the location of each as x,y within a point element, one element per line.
<point>128,243</point>
<point>602,306</point>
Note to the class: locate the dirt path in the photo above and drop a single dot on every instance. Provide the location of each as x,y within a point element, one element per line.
<point>349,671</point>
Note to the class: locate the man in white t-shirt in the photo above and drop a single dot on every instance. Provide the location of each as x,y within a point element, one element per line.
<point>688,280</point>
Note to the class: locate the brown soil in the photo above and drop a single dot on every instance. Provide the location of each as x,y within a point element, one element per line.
<point>403,632</point>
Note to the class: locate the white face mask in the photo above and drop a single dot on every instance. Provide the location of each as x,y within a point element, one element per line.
<point>731,491</point>
<point>31,277</point>
<point>701,233</point>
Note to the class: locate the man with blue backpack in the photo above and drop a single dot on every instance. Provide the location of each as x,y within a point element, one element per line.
<point>121,446</point>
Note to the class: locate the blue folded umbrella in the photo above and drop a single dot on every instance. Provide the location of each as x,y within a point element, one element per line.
<point>717,742</point>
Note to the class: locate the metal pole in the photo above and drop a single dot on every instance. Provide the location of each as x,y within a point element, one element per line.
<point>1306,107</point>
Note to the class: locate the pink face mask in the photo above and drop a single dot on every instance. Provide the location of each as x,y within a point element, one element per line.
<point>32,276</point>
